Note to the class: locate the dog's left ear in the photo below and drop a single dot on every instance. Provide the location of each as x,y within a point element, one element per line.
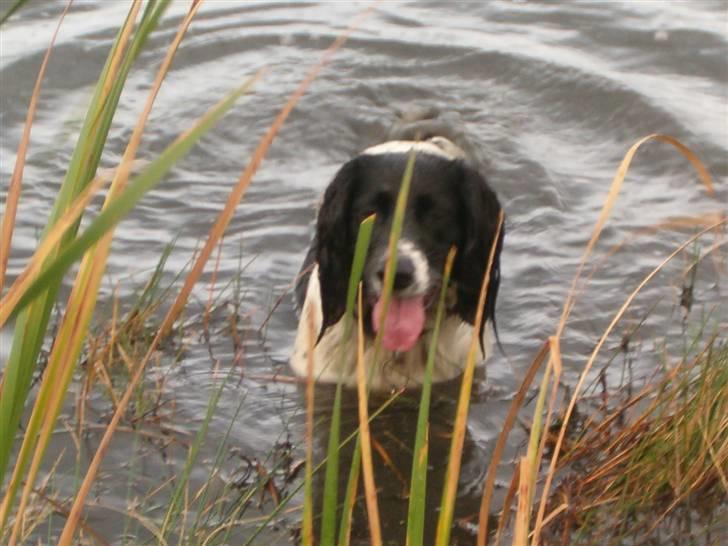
<point>335,244</point>
<point>480,212</point>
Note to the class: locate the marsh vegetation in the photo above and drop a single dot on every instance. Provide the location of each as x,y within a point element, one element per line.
<point>158,408</point>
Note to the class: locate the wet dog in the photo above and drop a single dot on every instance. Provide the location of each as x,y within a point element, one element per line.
<point>449,204</point>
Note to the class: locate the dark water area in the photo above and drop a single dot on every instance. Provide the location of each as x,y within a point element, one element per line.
<point>551,96</point>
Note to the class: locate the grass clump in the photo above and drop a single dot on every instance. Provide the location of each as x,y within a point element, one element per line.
<point>653,463</point>
<point>33,295</point>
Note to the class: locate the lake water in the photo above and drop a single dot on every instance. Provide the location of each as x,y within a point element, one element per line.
<point>551,96</point>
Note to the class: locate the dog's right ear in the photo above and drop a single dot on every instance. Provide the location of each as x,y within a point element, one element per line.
<point>335,243</point>
<point>481,210</point>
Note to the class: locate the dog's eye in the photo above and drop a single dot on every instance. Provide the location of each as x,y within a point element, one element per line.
<point>381,204</point>
<point>423,207</point>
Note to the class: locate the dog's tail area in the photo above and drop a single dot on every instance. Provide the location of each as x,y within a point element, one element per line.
<point>423,122</point>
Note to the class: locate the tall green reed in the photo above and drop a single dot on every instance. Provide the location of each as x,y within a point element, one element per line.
<point>38,292</point>
<point>31,325</point>
<point>330,497</point>
<point>214,237</point>
<point>416,514</point>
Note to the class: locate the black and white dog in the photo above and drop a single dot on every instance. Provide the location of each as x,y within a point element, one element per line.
<point>450,204</point>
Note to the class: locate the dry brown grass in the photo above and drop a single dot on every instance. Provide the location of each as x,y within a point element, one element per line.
<point>652,462</point>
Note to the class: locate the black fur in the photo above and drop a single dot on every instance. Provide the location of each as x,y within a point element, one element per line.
<point>482,209</point>
<point>450,204</point>
<point>334,243</point>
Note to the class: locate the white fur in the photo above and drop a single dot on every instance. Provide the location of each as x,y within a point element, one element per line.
<point>439,146</point>
<point>406,248</point>
<point>333,359</point>
<point>421,281</point>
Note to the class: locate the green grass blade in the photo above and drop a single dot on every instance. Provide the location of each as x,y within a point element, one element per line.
<point>14,187</point>
<point>328,522</point>
<point>390,267</point>
<point>12,9</point>
<point>388,285</point>
<point>361,249</point>
<point>126,201</point>
<point>452,474</point>
<point>149,293</point>
<point>72,329</point>
<point>307,538</point>
<point>284,502</point>
<point>331,479</point>
<point>31,325</point>
<point>174,506</point>
<point>418,481</point>
<point>350,498</point>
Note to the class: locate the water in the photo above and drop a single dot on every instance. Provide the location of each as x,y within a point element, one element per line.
<point>551,97</point>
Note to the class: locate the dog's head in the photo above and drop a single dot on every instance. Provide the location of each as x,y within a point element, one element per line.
<point>449,204</point>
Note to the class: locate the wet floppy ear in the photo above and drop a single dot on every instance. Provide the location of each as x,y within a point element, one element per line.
<point>480,216</point>
<point>335,243</point>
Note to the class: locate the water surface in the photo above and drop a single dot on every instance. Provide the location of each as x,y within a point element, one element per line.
<point>551,96</point>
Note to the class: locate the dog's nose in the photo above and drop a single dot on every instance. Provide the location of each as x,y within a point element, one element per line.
<point>404,276</point>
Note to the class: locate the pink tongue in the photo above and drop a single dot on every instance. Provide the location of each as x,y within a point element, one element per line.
<point>403,324</point>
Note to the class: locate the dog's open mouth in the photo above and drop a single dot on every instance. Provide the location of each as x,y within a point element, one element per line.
<point>403,324</point>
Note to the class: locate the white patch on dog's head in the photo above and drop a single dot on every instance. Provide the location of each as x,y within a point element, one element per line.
<point>439,146</point>
<point>421,282</point>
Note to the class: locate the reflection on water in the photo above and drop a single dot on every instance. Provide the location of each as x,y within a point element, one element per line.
<point>551,97</point>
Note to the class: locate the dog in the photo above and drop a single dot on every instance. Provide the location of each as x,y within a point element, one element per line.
<point>450,204</point>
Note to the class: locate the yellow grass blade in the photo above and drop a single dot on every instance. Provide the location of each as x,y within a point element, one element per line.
<point>609,203</point>
<point>52,373</point>
<point>611,200</point>
<point>537,441</point>
<point>674,223</point>
<point>582,378</point>
<point>507,502</point>
<point>370,488</point>
<point>501,443</point>
<point>239,190</point>
<point>32,322</point>
<point>447,508</point>
<point>538,432</point>
<point>307,531</point>
<point>48,246</point>
<point>520,534</point>
<point>48,404</point>
<point>555,512</point>
<point>11,200</point>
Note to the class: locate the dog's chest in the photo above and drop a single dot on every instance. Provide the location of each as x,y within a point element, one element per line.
<point>335,357</point>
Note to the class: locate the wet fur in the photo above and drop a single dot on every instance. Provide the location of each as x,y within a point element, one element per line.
<point>450,203</point>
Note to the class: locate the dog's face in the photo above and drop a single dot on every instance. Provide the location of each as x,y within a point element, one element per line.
<point>449,205</point>
<point>429,228</point>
